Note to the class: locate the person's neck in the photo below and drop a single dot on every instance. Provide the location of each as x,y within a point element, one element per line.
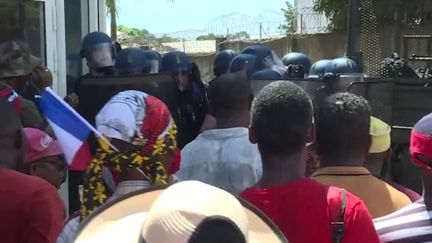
<point>239,121</point>
<point>280,170</point>
<point>332,161</point>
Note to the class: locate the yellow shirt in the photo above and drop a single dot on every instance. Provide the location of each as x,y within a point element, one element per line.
<point>380,198</point>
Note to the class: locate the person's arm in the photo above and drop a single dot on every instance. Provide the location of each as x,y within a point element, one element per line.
<point>46,217</point>
<point>359,226</point>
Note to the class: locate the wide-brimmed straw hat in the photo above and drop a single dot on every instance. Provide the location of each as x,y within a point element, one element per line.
<point>173,214</point>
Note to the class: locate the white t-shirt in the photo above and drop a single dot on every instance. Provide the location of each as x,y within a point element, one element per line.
<point>224,158</point>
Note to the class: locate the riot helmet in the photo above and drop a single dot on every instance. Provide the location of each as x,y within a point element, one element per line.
<point>318,69</point>
<point>297,58</point>
<point>179,65</point>
<point>243,62</point>
<point>131,61</point>
<point>340,73</point>
<point>154,59</point>
<point>265,58</point>
<point>222,61</point>
<point>99,50</point>
<point>342,65</point>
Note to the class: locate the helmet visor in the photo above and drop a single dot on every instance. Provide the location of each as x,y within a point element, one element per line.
<point>101,55</point>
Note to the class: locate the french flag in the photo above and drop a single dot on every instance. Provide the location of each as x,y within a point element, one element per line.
<point>70,129</point>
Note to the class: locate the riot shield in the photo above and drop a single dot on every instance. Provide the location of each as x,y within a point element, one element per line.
<point>379,94</point>
<point>96,91</point>
<point>312,86</point>
<point>412,101</point>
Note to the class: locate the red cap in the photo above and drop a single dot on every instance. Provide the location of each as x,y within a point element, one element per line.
<point>40,145</point>
<point>11,96</point>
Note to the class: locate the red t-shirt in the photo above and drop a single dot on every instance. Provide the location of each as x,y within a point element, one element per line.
<point>31,210</point>
<point>301,211</point>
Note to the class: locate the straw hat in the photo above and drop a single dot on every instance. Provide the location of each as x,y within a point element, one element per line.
<point>172,214</point>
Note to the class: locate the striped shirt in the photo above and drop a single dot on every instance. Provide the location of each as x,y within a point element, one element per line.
<point>409,224</point>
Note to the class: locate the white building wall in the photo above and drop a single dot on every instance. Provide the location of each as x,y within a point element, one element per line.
<point>309,21</point>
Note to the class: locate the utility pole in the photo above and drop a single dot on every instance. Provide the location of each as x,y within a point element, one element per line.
<point>260,26</point>
<point>352,39</point>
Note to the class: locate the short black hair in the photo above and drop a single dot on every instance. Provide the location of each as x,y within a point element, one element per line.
<point>342,127</point>
<point>281,118</point>
<point>228,94</point>
<point>217,229</point>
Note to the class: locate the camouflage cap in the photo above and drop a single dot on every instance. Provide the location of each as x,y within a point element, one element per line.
<point>16,59</point>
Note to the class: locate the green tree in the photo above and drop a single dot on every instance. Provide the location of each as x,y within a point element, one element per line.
<point>113,14</point>
<point>290,14</point>
<point>387,12</point>
<point>209,36</point>
<point>166,38</point>
<point>130,31</point>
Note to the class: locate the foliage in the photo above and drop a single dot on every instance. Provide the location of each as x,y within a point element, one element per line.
<point>113,13</point>
<point>290,14</point>
<point>209,36</point>
<point>387,11</point>
<point>166,38</point>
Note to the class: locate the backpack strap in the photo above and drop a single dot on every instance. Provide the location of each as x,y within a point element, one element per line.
<point>336,199</point>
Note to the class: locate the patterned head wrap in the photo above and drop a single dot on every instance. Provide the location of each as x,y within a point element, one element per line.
<point>139,119</point>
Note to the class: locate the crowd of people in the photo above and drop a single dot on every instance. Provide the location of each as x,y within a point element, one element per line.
<point>227,164</point>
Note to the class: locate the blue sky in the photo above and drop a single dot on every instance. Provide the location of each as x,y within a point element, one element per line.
<point>162,16</point>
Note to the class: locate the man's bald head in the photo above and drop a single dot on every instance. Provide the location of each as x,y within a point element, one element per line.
<point>229,95</point>
<point>11,137</point>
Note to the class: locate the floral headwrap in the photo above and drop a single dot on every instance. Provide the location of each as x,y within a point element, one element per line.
<point>141,120</point>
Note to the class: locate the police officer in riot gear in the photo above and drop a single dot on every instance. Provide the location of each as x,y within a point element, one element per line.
<point>266,58</point>
<point>100,52</point>
<point>154,59</point>
<point>243,62</point>
<point>342,65</point>
<point>340,73</point>
<point>318,69</point>
<point>191,95</point>
<point>222,62</point>
<point>132,61</point>
<point>297,58</point>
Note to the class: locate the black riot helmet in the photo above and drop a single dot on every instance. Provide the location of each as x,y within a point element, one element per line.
<point>175,61</point>
<point>297,58</point>
<point>266,58</point>
<point>154,59</point>
<point>222,61</point>
<point>131,61</point>
<point>243,62</point>
<point>318,69</point>
<point>262,53</point>
<point>99,51</point>
<point>342,65</point>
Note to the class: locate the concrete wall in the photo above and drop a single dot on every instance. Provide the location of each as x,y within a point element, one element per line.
<point>205,65</point>
<point>330,45</point>
<point>320,46</point>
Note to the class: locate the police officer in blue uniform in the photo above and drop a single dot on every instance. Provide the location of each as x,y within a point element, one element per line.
<point>190,95</point>
<point>100,52</point>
